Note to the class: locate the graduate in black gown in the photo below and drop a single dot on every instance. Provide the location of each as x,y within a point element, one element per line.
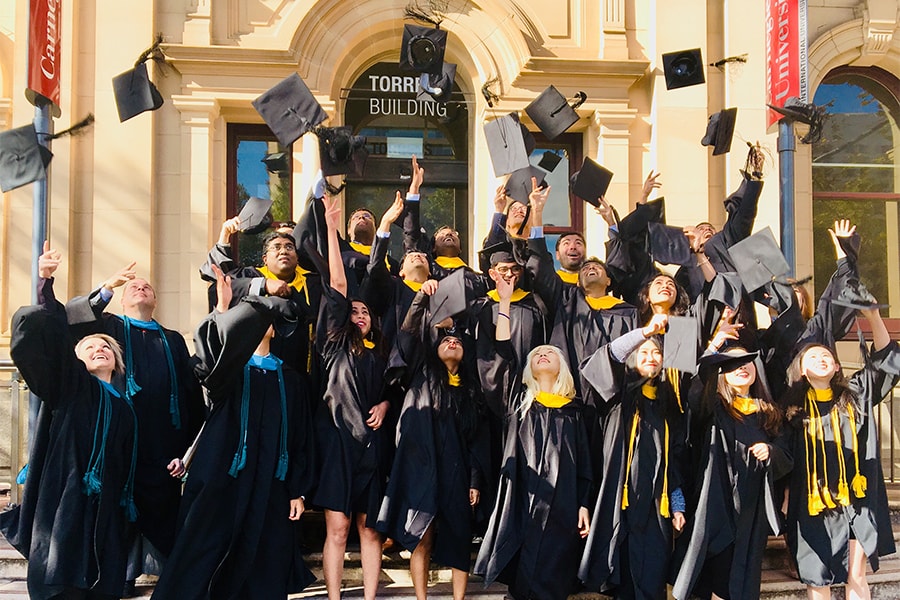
<point>160,383</point>
<point>78,497</point>
<point>252,466</point>
<point>441,460</point>
<point>641,502</point>
<point>743,452</point>
<point>349,434</point>
<point>837,509</point>
<point>533,539</point>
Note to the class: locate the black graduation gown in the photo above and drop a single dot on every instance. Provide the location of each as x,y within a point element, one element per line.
<point>819,544</point>
<point>441,453</point>
<point>640,530</point>
<point>734,505</point>
<point>71,540</point>
<point>532,542</point>
<point>351,454</point>
<point>156,493</point>
<point>235,539</point>
<point>528,324</point>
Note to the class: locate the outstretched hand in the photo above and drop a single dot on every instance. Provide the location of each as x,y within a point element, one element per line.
<point>605,211</point>
<point>391,214</point>
<point>538,196</point>
<point>651,183</point>
<point>418,176</point>
<point>332,212</point>
<point>842,229</point>
<point>121,277</point>
<point>726,330</point>
<point>48,261</point>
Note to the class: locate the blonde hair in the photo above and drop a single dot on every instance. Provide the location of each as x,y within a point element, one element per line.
<point>113,344</point>
<point>563,386</point>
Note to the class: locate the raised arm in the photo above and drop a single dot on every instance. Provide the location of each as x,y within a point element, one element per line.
<point>337,276</point>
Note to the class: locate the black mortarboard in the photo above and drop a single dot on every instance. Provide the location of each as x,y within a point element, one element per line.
<point>450,298</point>
<point>683,68</point>
<point>680,344</point>
<point>289,109</point>
<point>669,245</point>
<point>135,93</point>
<point>518,186</point>
<point>498,253</point>
<point>720,130</point>
<point>22,159</point>
<point>758,260</point>
<point>506,144</point>
<point>727,361</point>
<point>591,182</point>
<point>854,294</point>
<point>552,113</point>
<point>440,87</point>
<point>422,49</point>
<point>549,160</point>
<point>341,152</point>
<point>255,216</point>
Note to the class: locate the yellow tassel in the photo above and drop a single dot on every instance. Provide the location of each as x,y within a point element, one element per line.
<point>859,484</point>
<point>625,496</point>
<point>664,506</point>
<point>815,504</point>
<point>843,495</point>
<point>826,496</point>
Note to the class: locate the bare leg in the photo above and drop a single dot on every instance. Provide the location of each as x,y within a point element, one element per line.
<point>460,580</point>
<point>818,593</point>
<point>857,586</point>
<point>337,526</point>
<point>370,554</point>
<point>419,563</point>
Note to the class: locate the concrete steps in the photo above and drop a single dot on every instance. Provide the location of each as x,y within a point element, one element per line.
<point>779,582</point>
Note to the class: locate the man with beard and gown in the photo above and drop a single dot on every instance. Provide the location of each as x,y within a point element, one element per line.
<point>533,539</point>
<point>78,496</point>
<point>252,468</point>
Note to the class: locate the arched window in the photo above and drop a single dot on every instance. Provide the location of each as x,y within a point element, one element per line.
<point>855,176</point>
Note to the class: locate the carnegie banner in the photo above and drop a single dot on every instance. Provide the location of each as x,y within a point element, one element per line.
<point>43,52</point>
<point>785,53</point>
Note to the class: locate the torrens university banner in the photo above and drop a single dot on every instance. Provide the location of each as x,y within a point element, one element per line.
<point>43,51</point>
<point>785,54</point>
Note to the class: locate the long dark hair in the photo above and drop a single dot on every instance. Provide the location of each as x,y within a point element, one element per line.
<point>771,413</point>
<point>350,333</point>
<point>469,411</point>
<point>799,386</point>
<point>645,309</point>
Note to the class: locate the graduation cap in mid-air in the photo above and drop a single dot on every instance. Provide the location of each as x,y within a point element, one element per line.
<point>758,260</point>
<point>683,68</point>
<point>133,90</point>
<point>550,160</point>
<point>720,130</point>
<point>255,216</point>
<point>552,113</point>
<point>519,185</point>
<point>437,87</point>
<point>506,144</point>
<point>341,152</point>
<point>668,244</point>
<point>422,49</point>
<point>289,109</point>
<point>727,360</point>
<point>591,181</point>
<point>22,159</point>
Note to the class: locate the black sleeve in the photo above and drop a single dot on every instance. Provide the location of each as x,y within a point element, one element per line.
<point>219,255</point>
<point>413,234</point>
<point>497,372</point>
<point>85,314</point>
<point>547,284</point>
<point>376,288</point>
<point>42,349</point>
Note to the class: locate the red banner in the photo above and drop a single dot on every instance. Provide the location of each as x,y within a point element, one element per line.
<point>785,53</point>
<point>43,51</point>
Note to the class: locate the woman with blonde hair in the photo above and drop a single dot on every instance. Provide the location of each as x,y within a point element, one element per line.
<point>533,539</point>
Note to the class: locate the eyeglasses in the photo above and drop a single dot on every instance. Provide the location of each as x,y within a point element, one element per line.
<point>505,270</point>
<point>279,247</point>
